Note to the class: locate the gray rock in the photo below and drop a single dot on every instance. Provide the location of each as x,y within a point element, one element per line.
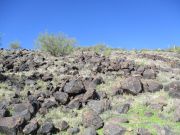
<point>149,74</point>
<point>31,127</point>
<point>99,106</point>
<point>131,85</point>
<point>73,130</point>
<point>61,97</point>
<point>174,89</point>
<point>74,87</point>
<point>46,128</point>
<point>123,108</point>
<point>10,125</point>
<point>91,118</point>
<point>76,102</point>
<point>62,125</point>
<point>152,86</point>
<point>90,131</point>
<point>49,102</point>
<point>177,114</point>
<point>143,131</point>
<point>113,129</point>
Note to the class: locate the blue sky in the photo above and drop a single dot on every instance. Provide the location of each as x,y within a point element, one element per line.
<point>118,23</point>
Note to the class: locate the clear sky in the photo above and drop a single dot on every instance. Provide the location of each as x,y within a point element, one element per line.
<point>118,23</point>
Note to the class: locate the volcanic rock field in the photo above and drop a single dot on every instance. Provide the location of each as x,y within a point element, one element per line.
<point>87,93</point>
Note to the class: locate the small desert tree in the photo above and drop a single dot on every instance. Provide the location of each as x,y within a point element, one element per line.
<point>56,45</point>
<point>15,45</point>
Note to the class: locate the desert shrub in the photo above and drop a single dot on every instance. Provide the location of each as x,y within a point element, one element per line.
<point>56,45</point>
<point>175,48</point>
<point>15,45</point>
<point>98,48</point>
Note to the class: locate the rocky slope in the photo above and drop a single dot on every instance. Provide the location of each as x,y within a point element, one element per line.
<point>86,93</point>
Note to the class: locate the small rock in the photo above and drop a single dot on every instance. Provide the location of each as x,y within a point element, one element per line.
<point>118,120</point>
<point>113,129</point>
<point>99,106</point>
<point>177,114</point>
<point>46,128</point>
<point>143,131</point>
<point>50,102</point>
<point>123,108</point>
<point>61,97</point>
<point>73,130</point>
<point>47,77</point>
<point>149,74</point>
<point>90,131</point>
<point>31,127</point>
<point>62,125</point>
<point>76,102</point>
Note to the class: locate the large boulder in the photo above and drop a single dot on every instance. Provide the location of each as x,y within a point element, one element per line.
<point>149,74</point>
<point>74,87</point>
<point>152,86</point>
<point>174,89</point>
<point>91,118</point>
<point>24,110</point>
<point>31,127</point>
<point>99,106</point>
<point>10,125</point>
<point>131,85</point>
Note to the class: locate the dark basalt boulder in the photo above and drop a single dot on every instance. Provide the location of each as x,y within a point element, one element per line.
<point>45,128</point>
<point>131,85</point>
<point>174,89</point>
<point>10,125</point>
<point>151,86</point>
<point>31,128</point>
<point>113,129</point>
<point>91,118</point>
<point>74,87</point>
<point>99,106</point>
<point>61,97</point>
<point>149,74</point>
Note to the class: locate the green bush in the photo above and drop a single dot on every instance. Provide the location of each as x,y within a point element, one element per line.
<point>15,45</point>
<point>56,45</point>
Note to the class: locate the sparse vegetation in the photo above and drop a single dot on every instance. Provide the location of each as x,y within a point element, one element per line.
<point>15,45</point>
<point>174,48</point>
<point>55,44</point>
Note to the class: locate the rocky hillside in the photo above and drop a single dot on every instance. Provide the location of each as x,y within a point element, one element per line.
<point>85,93</point>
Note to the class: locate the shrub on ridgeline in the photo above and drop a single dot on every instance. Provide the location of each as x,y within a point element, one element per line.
<point>174,48</point>
<point>55,44</point>
<point>15,45</point>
